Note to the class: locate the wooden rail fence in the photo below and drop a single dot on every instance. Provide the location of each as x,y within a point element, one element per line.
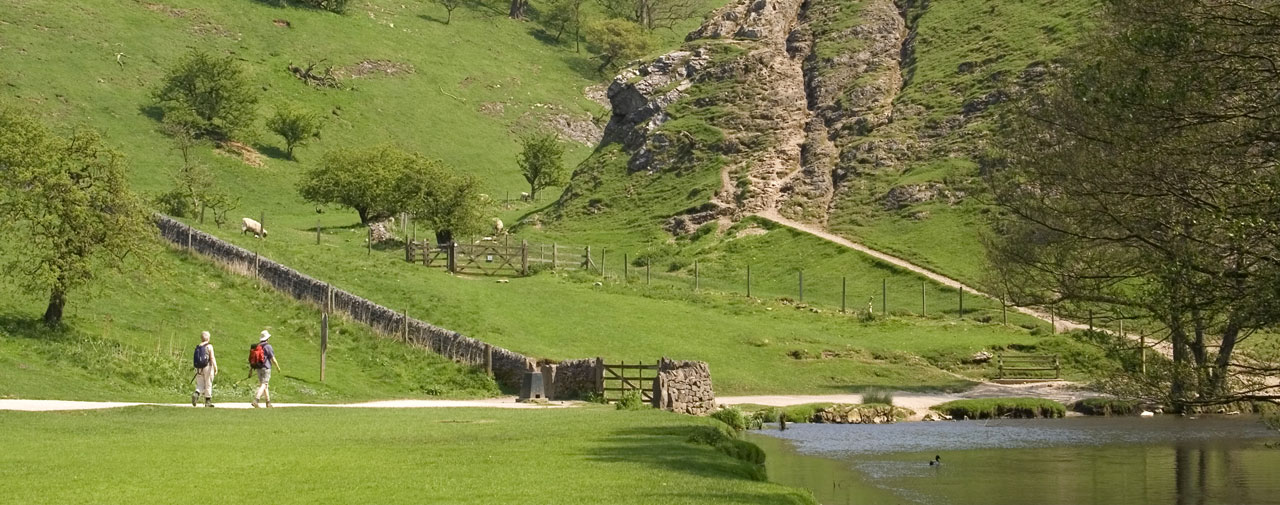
<point>490,257</point>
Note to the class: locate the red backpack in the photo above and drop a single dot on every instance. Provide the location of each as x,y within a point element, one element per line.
<point>257,357</point>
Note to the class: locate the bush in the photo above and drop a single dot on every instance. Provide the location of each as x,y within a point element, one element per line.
<point>594,397</point>
<point>733,417</point>
<point>877,396</point>
<point>338,6</point>
<point>209,95</point>
<point>631,400</point>
<point>295,126</point>
<point>1272,421</point>
<point>991,408</point>
<point>1105,407</point>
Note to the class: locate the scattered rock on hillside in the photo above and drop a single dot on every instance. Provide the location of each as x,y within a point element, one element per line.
<point>911,194</point>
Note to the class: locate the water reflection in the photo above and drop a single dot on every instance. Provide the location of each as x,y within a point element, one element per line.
<point>1105,461</point>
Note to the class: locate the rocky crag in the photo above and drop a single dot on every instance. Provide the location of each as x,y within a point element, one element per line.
<point>803,102</point>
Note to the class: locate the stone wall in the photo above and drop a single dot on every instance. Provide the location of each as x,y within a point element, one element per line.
<point>684,387</point>
<point>575,379</point>
<point>508,366</point>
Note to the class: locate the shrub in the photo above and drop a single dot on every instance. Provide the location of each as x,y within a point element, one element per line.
<point>295,126</point>
<point>733,417</point>
<point>1272,421</point>
<point>338,6</point>
<point>990,408</point>
<point>877,396</point>
<point>208,94</point>
<point>631,401</point>
<point>1105,407</point>
<point>594,397</point>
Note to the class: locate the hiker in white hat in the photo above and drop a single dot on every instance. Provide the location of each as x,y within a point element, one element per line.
<point>261,358</point>
<point>206,366</point>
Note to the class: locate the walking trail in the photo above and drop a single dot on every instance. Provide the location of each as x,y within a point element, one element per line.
<point>1059,324</point>
<point>508,402</point>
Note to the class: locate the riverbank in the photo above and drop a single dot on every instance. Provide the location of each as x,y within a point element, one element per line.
<point>1062,391</point>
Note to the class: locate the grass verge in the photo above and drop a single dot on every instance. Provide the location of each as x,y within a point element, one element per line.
<point>387,456</point>
<point>991,408</point>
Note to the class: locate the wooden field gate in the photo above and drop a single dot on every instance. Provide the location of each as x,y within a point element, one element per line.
<point>1028,366</point>
<point>482,258</point>
<point>614,381</point>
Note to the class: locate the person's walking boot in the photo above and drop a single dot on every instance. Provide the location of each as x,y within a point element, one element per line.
<point>208,401</point>
<point>195,396</point>
<point>255,403</point>
<point>268,403</point>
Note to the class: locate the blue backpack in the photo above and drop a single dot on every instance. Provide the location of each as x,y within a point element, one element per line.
<point>201,357</point>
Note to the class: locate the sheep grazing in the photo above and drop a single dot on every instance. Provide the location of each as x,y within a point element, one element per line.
<point>525,196</point>
<point>497,227</point>
<point>249,225</point>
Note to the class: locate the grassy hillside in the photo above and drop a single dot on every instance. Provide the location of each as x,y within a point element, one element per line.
<point>475,84</point>
<point>132,339</point>
<point>302,456</point>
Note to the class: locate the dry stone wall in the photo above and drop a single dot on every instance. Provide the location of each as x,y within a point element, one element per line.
<point>508,366</point>
<point>684,387</point>
<point>575,379</point>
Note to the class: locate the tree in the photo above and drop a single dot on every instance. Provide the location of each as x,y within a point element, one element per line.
<point>362,179</point>
<point>617,41</point>
<point>1143,181</point>
<point>541,162</point>
<point>295,126</point>
<point>566,15</point>
<point>448,203</point>
<point>65,203</point>
<point>449,6</point>
<point>652,14</point>
<point>210,94</point>
<point>518,10</point>
<point>194,193</point>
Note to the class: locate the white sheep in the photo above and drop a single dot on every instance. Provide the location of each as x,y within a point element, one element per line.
<point>249,225</point>
<point>525,196</point>
<point>497,227</point>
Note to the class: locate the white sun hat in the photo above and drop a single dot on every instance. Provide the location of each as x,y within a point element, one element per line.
<point>265,336</point>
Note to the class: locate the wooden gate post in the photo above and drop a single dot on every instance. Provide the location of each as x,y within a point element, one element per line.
<point>488,359</point>
<point>924,307</point>
<point>962,302</point>
<point>626,271</point>
<point>524,257</point>
<point>748,280</point>
<point>317,232</point>
<point>554,260</point>
<point>452,259</point>
<point>324,342</point>
<point>843,291</point>
<point>600,375</point>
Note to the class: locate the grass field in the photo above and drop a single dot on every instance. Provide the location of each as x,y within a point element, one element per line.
<point>132,340</point>
<point>584,455</point>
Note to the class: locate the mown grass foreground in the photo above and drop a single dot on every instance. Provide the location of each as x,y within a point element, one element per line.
<point>285,456</point>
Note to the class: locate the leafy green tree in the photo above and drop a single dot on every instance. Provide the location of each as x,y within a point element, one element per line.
<point>196,193</point>
<point>542,162</point>
<point>567,16</point>
<point>617,41</point>
<point>65,206</point>
<point>1142,183</point>
<point>295,126</point>
<point>209,94</point>
<point>364,179</point>
<point>446,202</point>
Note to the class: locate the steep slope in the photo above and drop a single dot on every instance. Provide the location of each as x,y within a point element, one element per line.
<point>869,118</point>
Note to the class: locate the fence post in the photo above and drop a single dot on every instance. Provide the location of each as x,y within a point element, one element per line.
<point>748,280</point>
<point>586,262</point>
<point>324,342</point>
<point>696,279</point>
<point>369,242</point>
<point>961,302</point>
<point>488,359</point>
<point>1090,320</point>
<point>1142,351</point>
<point>801,274</point>
<point>524,257</point>
<point>1053,322</point>
<point>404,329</point>
<point>843,291</point>
<point>884,297</point>
<point>924,306</point>
<point>408,251</point>
<point>603,252</point>
<point>317,232</point>
<point>647,278</point>
<point>600,375</point>
<point>452,257</point>
<point>626,271</point>
<point>553,256</point>
<point>189,233</point>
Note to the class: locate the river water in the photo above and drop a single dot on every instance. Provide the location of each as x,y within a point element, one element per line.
<point>1093,460</point>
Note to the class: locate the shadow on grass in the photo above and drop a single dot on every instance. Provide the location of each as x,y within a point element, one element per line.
<point>32,326</point>
<point>669,447</point>
<point>428,17</point>
<point>272,152</point>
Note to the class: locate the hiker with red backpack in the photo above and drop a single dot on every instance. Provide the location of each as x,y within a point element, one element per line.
<point>206,365</point>
<point>261,357</point>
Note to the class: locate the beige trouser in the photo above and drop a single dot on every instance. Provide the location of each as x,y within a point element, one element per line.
<point>204,381</point>
<point>264,381</point>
